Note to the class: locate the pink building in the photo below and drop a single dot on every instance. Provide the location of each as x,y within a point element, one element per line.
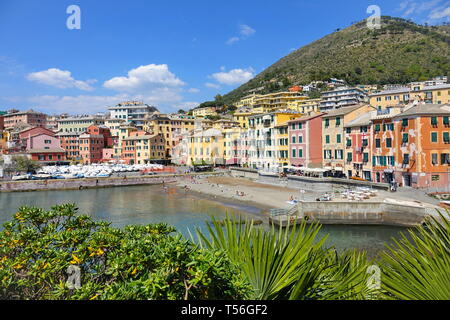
<point>29,117</point>
<point>305,141</point>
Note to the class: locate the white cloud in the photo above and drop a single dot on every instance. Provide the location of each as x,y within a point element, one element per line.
<point>193,90</point>
<point>187,105</point>
<point>60,79</point>
<point>432,10</point>
<point>245,31</point>
<point>143,78</point>
<point>232,40</point>
<point>234,77</point>
<point>212,85</point>
<point>440,13</point>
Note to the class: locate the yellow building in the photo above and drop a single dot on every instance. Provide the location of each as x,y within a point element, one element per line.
<point>247,101</point>
<point>142,148</point>
<point>203,112</point>
<point>242,118</point>
<point>277,101</point>
<point>3,140</point>
<point>334,136</point>
<point>125,131</point>
<point>231,144</point>
<point>206,147</point>
<point>437,94</point>
<point>282,144</point>
<point>305,106</point>
<point>114,126</point>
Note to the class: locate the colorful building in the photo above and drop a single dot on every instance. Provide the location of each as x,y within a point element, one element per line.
<point>358,147</point>
<point>78,124</point>
<point>92,142</point>
<point>334,142</point>
<point>423,146</point>
<point>142,147</point>
<point>263,151</point>
<point>206,147</point>
<point>437,94</point>
<point>30,117</point>
<point>305,141</point>
<point>342,97</point>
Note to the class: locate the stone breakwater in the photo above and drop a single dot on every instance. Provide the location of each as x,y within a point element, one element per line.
<point>88,183</point>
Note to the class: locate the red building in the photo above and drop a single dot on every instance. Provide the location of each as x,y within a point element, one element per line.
<point>358,147</point>
<point>70,143</point>
<point>305,141</point>
<point>92,142</point>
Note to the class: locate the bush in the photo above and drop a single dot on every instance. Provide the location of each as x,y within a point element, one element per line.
<point>138,262</point>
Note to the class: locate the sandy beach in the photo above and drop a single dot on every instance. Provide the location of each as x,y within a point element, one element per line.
<point>240,189</point>
<point>278,196</point>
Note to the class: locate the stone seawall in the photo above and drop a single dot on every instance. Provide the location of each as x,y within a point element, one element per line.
<point>356,213</point>
<point>77,184</point>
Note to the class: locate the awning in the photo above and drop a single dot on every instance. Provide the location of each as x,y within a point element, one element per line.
<point>339,169</point>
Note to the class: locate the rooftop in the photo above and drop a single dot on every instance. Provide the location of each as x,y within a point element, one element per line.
<point>343,111</point>
<point>426,109</point>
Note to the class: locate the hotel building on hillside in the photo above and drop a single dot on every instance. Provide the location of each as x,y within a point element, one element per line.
<point>436,94</point>
<point>341,97</point>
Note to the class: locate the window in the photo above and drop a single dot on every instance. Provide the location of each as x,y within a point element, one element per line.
<point>446,137</point>
<point>294,153</point>
<point>378,143</point>
<point>363,129</point>
<point>404,122</point>
<point>365,157</point>
<point>300,153</point>
<point>349,142</point>
<point>338,122</point>
<point>327,139</point>
<point>300,139</point>
<point>406,158</point>
<point>445,158</point>
<point>293,140</point>
<point>348,130</point>
<point>434,121</point>
<point>338,138</point>
<point>349,157</point>
<point>434,137</point>
<point>377,128</point>
<point>388,142</point>
<point>300,126</point>
<point>47,141</point>
<point>365,142</point>
<point>445,121</point>
<point>405,138</point>
<point>327,123</point>
<point>434,159</point>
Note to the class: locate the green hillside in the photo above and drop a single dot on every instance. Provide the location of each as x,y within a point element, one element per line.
<point>399,52</point>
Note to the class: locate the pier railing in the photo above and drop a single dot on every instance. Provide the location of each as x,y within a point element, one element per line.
<point>284,212</point>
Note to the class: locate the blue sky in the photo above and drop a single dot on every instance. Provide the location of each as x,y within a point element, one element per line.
<point>172,54</point>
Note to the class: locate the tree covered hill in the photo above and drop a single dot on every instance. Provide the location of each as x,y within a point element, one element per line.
<point>400,52</point>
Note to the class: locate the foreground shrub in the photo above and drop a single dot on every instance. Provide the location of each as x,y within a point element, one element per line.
<point>419,269</point>
<point>38,248</point>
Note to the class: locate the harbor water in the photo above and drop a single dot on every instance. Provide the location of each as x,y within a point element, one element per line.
<point>184,210</point>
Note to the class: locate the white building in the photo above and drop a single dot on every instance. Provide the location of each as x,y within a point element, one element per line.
<point>132,112</point>
<point>341,97</point>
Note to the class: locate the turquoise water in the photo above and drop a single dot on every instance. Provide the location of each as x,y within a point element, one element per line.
<point>185,211</point>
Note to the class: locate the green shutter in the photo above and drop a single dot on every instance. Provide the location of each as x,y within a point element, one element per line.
<point>338,138</point>
<point>434,121</point>
<point>446,137</point>
<point>434,137</point>
<point>349,157</point>
<point>405,138</point>
<point>405,122</point>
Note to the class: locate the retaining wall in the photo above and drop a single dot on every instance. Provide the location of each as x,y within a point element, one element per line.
<point>357,213</point>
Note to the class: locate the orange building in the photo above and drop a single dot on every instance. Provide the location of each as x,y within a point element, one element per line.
<point>422,145</point>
